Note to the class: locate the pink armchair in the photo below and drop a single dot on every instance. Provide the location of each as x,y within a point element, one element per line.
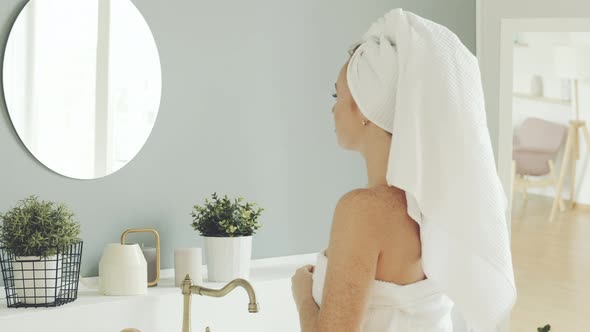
<point>535,146</point>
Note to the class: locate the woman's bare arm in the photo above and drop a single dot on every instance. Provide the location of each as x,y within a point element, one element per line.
<point>356,240</point>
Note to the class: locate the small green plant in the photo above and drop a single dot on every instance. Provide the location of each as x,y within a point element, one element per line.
<point>545,328</point>
<point>38,228</point>
<point>224,217</point>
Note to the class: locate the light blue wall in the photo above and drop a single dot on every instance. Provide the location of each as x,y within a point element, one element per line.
<point>245,110</point>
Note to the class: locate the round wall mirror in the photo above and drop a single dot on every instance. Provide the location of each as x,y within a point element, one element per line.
<point>82,83</point>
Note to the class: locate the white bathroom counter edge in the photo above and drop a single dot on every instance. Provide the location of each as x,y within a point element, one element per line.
<point>261,271</point>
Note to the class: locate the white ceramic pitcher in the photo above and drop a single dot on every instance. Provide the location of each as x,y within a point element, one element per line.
<point>122,270</point>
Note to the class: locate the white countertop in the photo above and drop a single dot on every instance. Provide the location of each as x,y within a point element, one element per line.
<point>262,271</point>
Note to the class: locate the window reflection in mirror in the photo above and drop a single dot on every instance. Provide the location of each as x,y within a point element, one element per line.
<point>82,83</point>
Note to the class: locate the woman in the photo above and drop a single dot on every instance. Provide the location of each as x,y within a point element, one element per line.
<point>429,231</point>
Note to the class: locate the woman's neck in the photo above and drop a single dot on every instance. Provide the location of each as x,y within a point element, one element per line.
<point>376,160</point>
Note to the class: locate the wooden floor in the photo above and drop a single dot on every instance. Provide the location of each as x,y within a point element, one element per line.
<point>551,266</point>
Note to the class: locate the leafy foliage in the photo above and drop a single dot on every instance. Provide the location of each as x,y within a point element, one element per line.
<point>224,217</point>
<point>38,228</point>
<point>545,328</point>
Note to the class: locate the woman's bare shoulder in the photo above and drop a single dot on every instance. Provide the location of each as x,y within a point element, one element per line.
<point>373,201</point>
<point>378,213</point>
<point>377,218</point>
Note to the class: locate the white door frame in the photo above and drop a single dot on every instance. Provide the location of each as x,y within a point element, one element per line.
<point>509,27</point>
<point>504,326</point>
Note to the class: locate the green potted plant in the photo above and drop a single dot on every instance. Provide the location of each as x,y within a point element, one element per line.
<point>545,328</point>
<point>227,226</point>
<point>35,233</point>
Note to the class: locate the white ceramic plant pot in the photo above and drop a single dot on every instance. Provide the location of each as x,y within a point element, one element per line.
<point>37,280</point>
<point>228,258</point>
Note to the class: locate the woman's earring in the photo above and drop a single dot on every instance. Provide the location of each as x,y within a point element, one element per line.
<point>365,122</point>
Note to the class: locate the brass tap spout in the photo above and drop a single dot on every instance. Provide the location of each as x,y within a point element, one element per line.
<point>188,289</point>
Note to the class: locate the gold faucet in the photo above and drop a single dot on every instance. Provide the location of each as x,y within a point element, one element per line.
<point>188,289</point>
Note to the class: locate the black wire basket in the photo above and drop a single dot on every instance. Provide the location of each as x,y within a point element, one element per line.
<point>41,282</point>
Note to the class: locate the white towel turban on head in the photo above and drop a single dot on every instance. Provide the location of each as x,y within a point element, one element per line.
<point>415,79</point>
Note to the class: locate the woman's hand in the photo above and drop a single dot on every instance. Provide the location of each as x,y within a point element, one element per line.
<point>301,285</point>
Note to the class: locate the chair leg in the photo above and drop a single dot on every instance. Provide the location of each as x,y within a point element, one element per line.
<point>518,185</point>
<point>564,166</point>
<point>553,176</point>
<point>574,159</point>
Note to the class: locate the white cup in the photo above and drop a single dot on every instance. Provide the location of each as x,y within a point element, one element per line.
<point>188,261</point>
